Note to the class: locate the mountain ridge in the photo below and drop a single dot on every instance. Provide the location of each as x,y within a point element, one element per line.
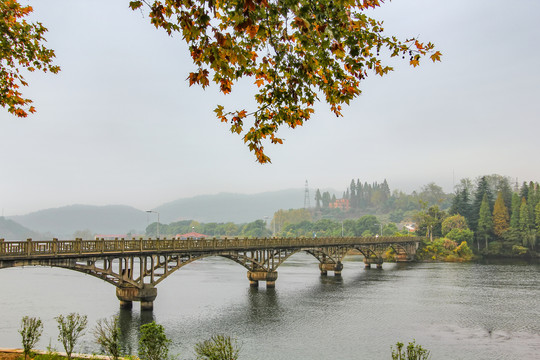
<point>63,221</point>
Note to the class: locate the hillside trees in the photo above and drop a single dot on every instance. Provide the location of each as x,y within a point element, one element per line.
<point>429,221</point>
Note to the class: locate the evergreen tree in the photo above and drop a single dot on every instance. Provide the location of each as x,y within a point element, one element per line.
<point>503,185</point>
<point>526,226</point>
<point>514,217</point>
<point>318,199</point>
<point>385,190</point>
<point>358,193</point>
<point>500,216</point>
<point>352,196</point>
<point>524,218</point>
<point>537,218</point>
<point>485,221</point>
<point>524,191</point>
<point>461,204</point>
<point>325,199</point>
<point>481,190</point>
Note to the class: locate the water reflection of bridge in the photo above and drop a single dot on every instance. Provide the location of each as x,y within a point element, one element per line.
<point>135,267</point>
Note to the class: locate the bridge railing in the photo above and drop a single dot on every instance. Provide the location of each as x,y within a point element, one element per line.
<point>29,248</point>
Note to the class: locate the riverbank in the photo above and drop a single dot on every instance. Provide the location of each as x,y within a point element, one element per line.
<point>17,354</point>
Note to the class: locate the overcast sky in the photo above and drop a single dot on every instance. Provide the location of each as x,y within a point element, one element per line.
<point>120,125</point>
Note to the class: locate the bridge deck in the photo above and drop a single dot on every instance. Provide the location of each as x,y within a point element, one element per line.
<point>10,250</point>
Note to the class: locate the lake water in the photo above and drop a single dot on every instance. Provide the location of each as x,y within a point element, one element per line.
<point>458,311</point>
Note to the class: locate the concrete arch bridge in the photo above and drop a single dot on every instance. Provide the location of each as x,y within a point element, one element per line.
<point>136,266</point>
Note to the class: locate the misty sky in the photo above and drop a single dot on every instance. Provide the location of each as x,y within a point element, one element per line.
<point>120,125</point>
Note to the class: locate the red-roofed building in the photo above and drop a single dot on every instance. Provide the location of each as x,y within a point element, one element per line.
<point>342,204</point>
<point>191,235</point>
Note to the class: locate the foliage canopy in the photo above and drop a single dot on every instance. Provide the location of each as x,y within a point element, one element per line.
<point>21,46</point>
<point>294,50</point>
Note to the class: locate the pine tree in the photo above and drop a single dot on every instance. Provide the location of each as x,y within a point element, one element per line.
<point>526,225</point>
<point>481,190</point>
<point>485,221</point>
<point>524,191</point>
<point>514,217</point>
<point>500,216</point>
<point>537,218</point>
<point>461,204</point>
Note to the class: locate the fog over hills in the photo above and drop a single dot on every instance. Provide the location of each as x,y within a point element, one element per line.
<point>62,222</point>
<point>11,230</point>
<point>224,207</point>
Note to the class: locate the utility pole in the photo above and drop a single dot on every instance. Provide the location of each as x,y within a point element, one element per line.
<point>307,204</point>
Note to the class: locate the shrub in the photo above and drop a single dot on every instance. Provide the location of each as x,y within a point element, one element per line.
<point>153,344</point>
<point>412,352</point>
<point>107,335</point>
<point>218,347</point>
<point>71,329</point>
<point>31,329</point>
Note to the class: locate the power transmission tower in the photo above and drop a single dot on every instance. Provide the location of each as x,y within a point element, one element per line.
<point>307,204</point>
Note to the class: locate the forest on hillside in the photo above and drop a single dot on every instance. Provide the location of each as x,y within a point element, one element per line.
<point>491,214</point>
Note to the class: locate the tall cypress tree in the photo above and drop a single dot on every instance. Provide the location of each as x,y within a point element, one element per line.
<point>353,199</point>
<point>318,199</point>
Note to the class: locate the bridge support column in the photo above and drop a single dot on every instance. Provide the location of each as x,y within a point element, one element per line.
<point>145,296</point>
<point>335,267</point>
<point>269,276</point>
<point>377,261</point>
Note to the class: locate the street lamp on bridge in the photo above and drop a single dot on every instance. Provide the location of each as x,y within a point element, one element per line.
<point>380,226</point>
<point>155,212</point>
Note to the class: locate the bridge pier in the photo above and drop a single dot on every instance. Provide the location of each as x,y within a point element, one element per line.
<point>145,296</point>
<point>335,267</point>
<point>269,276</point>
<point>369,261</point>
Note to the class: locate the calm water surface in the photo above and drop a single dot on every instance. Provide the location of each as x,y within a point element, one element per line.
<point>458,311</point>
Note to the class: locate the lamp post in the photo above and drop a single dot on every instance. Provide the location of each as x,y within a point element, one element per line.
<point>381,228</point>
<point>155,212</point>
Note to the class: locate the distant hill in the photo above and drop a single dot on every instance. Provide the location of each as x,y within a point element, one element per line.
<point>10,230</point>
<point>62,222</point>
<point>225,207</point>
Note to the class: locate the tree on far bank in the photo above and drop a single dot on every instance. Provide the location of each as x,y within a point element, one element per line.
<point>485,222</point>
<point>453,222</point>
<point>500,216</point>
<point>482,188</point>
<point>461,202</point>
<point>429,221</point>
<point>526,226</point>
<point>514,216</point>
